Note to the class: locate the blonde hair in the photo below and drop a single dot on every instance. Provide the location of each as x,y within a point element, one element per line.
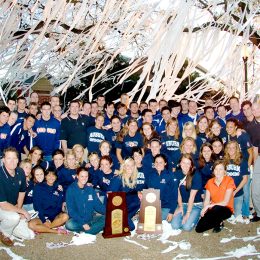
<point>186,140</point>
<point>173,121</point>
<point>85,153</point>
<point>197,126</point>
<point>189,125</point>
<point>238,155</point>
<point>22,164</point>
<point>128,182</point>
<point>212,123</point>
<point>70,152</point>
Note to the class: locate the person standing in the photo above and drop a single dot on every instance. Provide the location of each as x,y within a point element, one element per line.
<point>74,128</point>
<point>4,129</point>
<point>47,130</point>
<point>20,135</point>
<point>21,108</point>
<point>254,132</point>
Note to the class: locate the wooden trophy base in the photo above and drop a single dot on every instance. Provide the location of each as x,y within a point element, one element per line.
<point>116,216</point>
<point>158,229</point>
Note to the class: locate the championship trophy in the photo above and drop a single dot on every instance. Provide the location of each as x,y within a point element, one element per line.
<point>150,216</point>
<point>116,224</point>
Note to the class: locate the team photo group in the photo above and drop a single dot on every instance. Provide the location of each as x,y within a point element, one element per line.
<point>58,166</point>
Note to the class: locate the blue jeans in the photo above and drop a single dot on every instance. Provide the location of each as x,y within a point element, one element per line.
<point>28,207</point>
<point>238,201</point>
<point>96,225</point>
<point>192,220</point>
<point>165,212</point>
<point>246,199</point>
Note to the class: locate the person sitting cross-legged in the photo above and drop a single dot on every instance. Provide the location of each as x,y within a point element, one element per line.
<point>82,202</point>
<point>48,200</point>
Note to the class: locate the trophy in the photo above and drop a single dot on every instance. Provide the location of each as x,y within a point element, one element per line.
<point>116,224</point>
<point>150,216</point>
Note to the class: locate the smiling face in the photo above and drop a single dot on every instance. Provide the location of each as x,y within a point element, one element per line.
<point>185,165</point>
<point>82,178</point>
<point>188,146</point>
<point>46,111</point>
<point>217,147</point>
<point>71,161</point>
<point>36,156</point>
<point>159,164</point>
<point>50,178</point>
<point>138,158</point>
<point>166,114</point>
<point>99,122</point>
<point>10,161</point>
<point>94,160</point>
<point>74,109</point>
<point>58,160</point>
<point>29,123</point>
<point>129,167</point>
<point>4,118</point>
<point>78,152</point>
<point>219,171</point>
<point>27,168</point>
<point>132,128</point>
<point>206,153</point>
<point>188,130</point>
<point>216,129</point>
<point>155,147</point>
<point>171,128</point>
<point>38,176</point>
<point>231,128</point>
<point>105,148</point>
<point>232,150</point>
<point>147,130</point>
<point>203,125</point>
<point>116,124</point>
<point>105,166</point>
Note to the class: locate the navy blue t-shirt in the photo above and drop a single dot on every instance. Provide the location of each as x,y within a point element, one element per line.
<point>94,137</point>
<point>11,186</point>
<point>206,173</point>
<point>196,184</point>
<point>244,144</point>
<point>128,143</point>
<point>237,172</point>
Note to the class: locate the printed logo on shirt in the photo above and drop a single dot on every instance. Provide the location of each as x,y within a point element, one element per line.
<point>3,136</point>
<point>131,144</point>
<point>233,170</point>
<point>30,194</point>
<point>172,145</point>
<point>56,193</point>
<point>106,181</point>
<point>44,130</point>
<point>163,181</point>
<point>90,197</point>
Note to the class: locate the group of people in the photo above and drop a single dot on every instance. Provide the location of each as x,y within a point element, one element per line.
<point>62,165</point>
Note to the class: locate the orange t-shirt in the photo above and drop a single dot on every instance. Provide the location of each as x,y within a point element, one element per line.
<point>217,193</point>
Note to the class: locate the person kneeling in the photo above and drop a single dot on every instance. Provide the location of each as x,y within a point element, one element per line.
<point>48,201</point>
<point>82,201</point>
<point>219,200</point>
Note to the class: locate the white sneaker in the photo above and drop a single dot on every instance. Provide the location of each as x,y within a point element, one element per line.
<point>231,219</point>
<point>239,219</point>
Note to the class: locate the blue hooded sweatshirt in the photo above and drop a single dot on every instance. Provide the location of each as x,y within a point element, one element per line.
<point>82,203</point>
